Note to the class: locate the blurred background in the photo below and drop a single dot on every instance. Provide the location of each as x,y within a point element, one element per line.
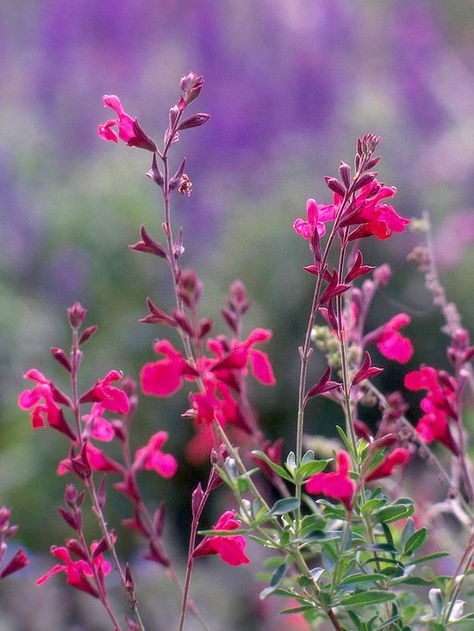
<point>290,84</point>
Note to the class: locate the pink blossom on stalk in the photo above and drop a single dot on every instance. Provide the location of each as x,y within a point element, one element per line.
<point>370,215</point>
<point>337,485</point>
<point>439,405</point>
<point>97,426</point>
<point>317,214</point>
<point>92,457</point>
<point>152,458</point>
<point>165,376</point>
<point>128,128</point>
<point>79,572</point>
<point>231,548</point>
<point>18,561</point>
<point>397,457</point>
<point>391,343</point>
<point>112,398</point>
<point>42,402</point>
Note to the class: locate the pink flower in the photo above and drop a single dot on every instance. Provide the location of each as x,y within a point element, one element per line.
<point>165,376</point>
<point>317,215</point>
<point>111,397</point>
<point>439,405</point>
<point>78,573</point>
<point>373,217</point>
<point>337,485</point>
<point>390,343</point>
<point>46,411</point>
<point>152,458</point>
<point>397,457</point>
<point>242,354</point>
<point>128,128</point>
<point>97,426</point>
<point>231,548</point>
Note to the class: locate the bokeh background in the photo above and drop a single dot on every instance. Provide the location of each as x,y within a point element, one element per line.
<point>290,84</point>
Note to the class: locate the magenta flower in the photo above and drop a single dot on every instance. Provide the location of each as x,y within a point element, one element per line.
<point>42,401</point>
<point>316,216</point>
<point>231,548</point>
<point>372,216</point>
<point>78,573</point>
<point>97,426</point>
<point>390,343</point>
<point>128,128</point>
<point>397,457</point>
<point>152,458</point>
<point>112,398</point>
<point>337,485</point>
<point>165,376</point>
<point>439,405</point>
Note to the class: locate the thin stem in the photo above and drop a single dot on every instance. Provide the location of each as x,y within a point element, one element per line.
<point>189,566</point>
<point>458,577</point>
<point>130,590</point>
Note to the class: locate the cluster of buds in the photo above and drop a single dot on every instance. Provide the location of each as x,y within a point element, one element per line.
<point>19,560</point>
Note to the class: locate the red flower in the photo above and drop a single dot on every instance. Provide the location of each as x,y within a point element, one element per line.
<point>97,426</point>
<point>48,411</point>
<point>165,376</point>
<point>337,485</point>
<point>397,457</point>
<point>317,215</point>
<point>231,548</point>
<point>152,458</point>
<point>373,217</point>
<point>129,129</point>
<point>390,343</point>
<point>77,572</point>
<point>439,404</point>
<point>111,397</point>
<point>242,354</point>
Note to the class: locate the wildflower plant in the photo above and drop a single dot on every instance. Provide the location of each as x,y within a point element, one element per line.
<point>342,545</point>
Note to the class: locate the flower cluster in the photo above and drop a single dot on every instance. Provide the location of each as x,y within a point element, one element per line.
<point>439,405</point>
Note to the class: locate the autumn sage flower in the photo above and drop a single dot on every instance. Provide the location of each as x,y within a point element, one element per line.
<point>396,458</point>
<point>317,215</point>
<point>336,485</point>
<point>439,405</point>
<point>231,548</point>
<point>128,128</point>
<point>152,458</point>
<point>78,573</point>
<point>390,342</point>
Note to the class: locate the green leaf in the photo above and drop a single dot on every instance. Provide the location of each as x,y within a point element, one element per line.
<point>362,599</point>
<point>407,532</point>
<point>308,457</point>
<point>356,620</point>
<point>355,579</point>
<point>277,577</point>
<point>345,440</point>
<point>395,512</point>
<point>414,542</point>
<point>429,557</point>
<point>286,505</point>
<point>290,463</point>
<point>300,609</point>
<point>311,522</point>
<point>310,468</point>
<point>273,465</point>
<point>414,580</point>
<point>319,535</point>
